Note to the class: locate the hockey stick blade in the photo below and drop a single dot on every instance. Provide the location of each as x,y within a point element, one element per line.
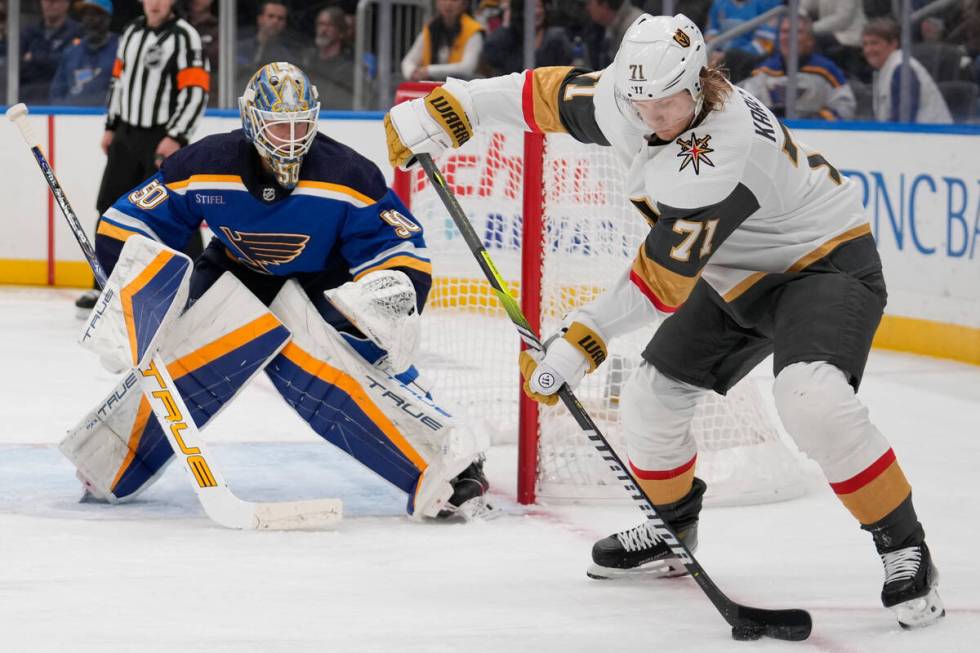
<point>746,622</point>
<point>753,623</point>
<point>217,499</point>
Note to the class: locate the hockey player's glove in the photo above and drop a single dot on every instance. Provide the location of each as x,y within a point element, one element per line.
<point>578,350</point>
<point>382,305</point>
<point>432,124</point>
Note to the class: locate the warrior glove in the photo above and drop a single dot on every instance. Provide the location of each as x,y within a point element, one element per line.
<point>577,350</point>
<point>431,125</point>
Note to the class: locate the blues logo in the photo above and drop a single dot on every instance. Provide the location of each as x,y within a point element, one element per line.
<point>260,251</point>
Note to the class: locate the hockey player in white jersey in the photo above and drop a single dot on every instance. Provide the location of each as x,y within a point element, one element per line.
<point>757,246</point>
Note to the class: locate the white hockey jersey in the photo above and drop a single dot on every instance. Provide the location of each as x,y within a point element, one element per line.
<point>736,199</point>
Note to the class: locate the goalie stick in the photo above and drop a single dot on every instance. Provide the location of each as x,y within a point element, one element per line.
<point>217,499</point>
<point>746,622</point>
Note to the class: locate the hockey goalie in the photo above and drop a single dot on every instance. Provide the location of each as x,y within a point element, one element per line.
<point>316,275</point>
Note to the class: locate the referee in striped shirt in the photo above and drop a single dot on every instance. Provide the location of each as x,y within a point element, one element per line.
<point>159,88</point>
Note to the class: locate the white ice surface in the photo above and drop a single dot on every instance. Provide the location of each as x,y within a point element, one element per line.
<point>156,575</point>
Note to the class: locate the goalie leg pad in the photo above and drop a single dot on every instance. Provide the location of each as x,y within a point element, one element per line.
<point>390,427</point>
<point>212,352</point>
<point>146,291</point>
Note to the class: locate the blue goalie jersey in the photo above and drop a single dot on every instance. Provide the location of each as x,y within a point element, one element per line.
<point>340,222</point>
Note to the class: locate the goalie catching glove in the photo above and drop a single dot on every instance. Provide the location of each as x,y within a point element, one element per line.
<point>382,305</point>
<point>432,124</point>
<point>577,350</point>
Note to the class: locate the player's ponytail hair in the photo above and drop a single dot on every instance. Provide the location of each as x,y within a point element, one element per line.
<point>715,87</point>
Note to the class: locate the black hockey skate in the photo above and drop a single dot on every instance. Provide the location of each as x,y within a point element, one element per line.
<point>910,586</point>
<point>640,551</point>
<point>469,494</point>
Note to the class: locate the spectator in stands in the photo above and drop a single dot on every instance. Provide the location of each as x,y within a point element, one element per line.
<point>740,54</point>
<point>837,25</point>
<point>877,8</point>
<point>610,19</point>
<point>41,48</point>
<point>83,76</point>
<point>330,63</point>
<point>882,48</point>
<point>267,45</point>
<point>842,20</point>
<point>967,32</point>
<point>201,18</point>
<point>504,49</point>
<point>725,15</point>
<point>822,91</point>
<point>449,45</point>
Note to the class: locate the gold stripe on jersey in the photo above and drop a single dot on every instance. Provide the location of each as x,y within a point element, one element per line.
<point>742,286</point>
<point>668,286</point>
<point>545,86</point>
<point>802,263</point>
<point>831,245</point>
<point>204,179</point>
<point>396,262</point>
<point>112,231</point>
<point>646,208</point>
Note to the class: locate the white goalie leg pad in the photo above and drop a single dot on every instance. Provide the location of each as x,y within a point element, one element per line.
<point>445,446</point>
<point>98,446</point>
<point>146,291</point>
<point>213,350</point>
<point>382,304</point>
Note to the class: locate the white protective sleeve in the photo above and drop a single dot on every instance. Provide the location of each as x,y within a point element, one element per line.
<point>620,310</point>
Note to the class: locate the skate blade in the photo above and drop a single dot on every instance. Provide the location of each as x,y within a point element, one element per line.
<point>476,509</point>
<point>668,568</point>
<point>921,612</point>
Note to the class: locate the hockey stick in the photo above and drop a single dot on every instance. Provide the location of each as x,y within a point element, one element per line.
<point>217,499</point>
<point>746,622</point>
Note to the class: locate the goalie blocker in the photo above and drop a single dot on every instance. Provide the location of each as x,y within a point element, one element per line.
<point>223,340</point>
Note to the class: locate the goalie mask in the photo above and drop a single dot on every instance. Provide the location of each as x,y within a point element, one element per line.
<point>279,111</point>
<point>659,57</point>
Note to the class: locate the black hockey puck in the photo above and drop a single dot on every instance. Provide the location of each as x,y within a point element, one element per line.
<point>747,633</point>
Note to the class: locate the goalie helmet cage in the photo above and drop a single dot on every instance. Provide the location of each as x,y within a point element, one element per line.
<point>557,223</point>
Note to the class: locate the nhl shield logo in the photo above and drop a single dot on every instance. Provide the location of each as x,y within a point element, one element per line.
<point>268,193</point>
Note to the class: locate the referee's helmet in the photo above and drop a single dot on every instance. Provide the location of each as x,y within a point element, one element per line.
<point>279,111</point>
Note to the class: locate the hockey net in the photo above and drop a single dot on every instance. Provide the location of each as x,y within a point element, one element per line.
<point>560,229</point>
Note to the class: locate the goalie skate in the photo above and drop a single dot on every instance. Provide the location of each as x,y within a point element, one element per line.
<point>469,498</point>
<point>910,587</point>
<point>639,552</point>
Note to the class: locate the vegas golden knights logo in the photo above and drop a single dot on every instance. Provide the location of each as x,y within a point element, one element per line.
<point>681,37</point>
